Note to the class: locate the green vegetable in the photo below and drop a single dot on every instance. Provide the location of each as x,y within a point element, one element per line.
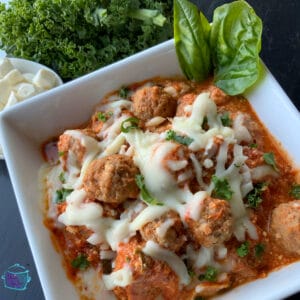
<point>80,262</point>
<point>61,153</point>
<point>254,197</point>
<point>191,35</point>
<point>62,177</point>
<point>270,160</point>
<point>253,145</point>
<point>243,249</point>
<point>259,249</point>
<point>225,119</point>
<point>222,189</point>
<point>184,140</point>
<point>123,93</point>
<point>146,197</point>
<point>62,194</point>
<point>132,123</point>
<point>295,191</point>
<point>101,116</point>
<point>79,36</point>
<point>210,274</point>
<point>230,46</point>
<point>236,42</point>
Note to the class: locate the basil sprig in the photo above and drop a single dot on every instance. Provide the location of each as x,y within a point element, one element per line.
<point>230,45</point>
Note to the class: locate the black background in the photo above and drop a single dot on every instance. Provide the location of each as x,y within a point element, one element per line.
<point>280,52</point>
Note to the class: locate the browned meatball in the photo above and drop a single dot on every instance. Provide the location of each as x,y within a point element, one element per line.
<point>167,231</point>
<point>149,102</point>
<point>111,179</point>
<point>215,224</point>
<point>151,278</point>
<point>285,225</point>
<point>67,142</point>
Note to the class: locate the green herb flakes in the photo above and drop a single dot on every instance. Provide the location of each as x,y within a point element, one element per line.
<point>253,145</point>
<point>259,250</point>
<point>210,274</point>
<point>80,262</point>
<point>123,93</point>
<point>145,195</point>
<point>61,177</point>
<point>295,191</point>
<point>243,249</point>
<point>184,140</point>
<point>225,119</point>
<point>129,124</point>
<point>222,189</point>
<point>254,197</point>
<point>270,160</point>
<point>62,194</point>
<point>61,153</point>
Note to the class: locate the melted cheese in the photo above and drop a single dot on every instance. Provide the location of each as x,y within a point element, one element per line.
<point>122,278</point>
<point>192,125</point>
<point>174,262</point>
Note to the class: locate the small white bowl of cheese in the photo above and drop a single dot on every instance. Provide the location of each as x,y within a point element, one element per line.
<point>22,79</point>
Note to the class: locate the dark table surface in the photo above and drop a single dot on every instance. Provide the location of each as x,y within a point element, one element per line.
<point>280,52</point>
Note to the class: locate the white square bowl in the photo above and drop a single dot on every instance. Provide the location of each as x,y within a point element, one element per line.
<point>26,126</point>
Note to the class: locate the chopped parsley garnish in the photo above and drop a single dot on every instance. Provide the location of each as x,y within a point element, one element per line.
<point>259,249</point>
<point>101,116</point>
<point>61,153</point>
<point>270,160</point>
<point>295,191</point>
<point>210,274</point>
<point>243,249</point>
<point>61,177</point>
<point>191,272</point>
<point>222,189</point>
<point>129,124</point>
<point>184,140</point>
<point>253,145</point>
<point>62,194</point>
<point>123,93</point>
<point>254,197</point>
<point>145,195</point>
<point>80,262</point>
<point>225,119</point>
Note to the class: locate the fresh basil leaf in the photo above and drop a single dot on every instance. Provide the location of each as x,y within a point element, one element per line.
<point>80,262</point>
<point>270,160</point>
<point>129,124</point>
<point>210,274</point>
<point>146,197</point>
<point>222,189</point>
<point>62,194</point>
<point>191,31</point>
<point>243,249</point>
<point>295,191</point>
<point>235,44</point>
<point>184,140</point>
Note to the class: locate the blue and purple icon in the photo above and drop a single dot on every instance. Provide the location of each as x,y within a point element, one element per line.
<point>16,278</point>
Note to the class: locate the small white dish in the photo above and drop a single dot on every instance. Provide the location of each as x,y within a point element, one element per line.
<point>30,67</point>
<point>25,127</point>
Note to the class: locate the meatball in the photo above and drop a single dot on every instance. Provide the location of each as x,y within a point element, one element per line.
<point>285,225</point>
<point>215,224</point>
<point>167,231</point>
<point>70,143</point>
<point>151,278</point>
<point>149,102</point>
<point>111,179</point>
